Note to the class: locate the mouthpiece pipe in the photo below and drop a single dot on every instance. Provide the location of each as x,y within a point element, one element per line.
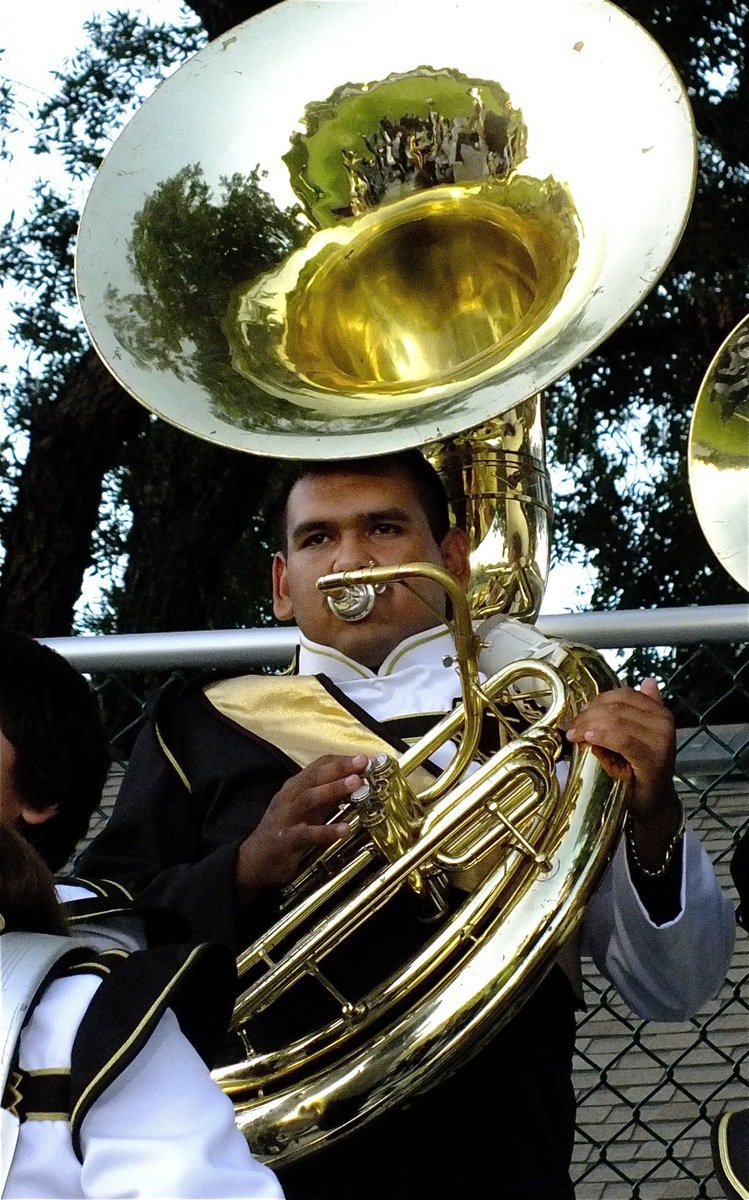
<point>467,644</point>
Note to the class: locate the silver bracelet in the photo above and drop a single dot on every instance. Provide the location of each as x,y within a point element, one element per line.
<point>671,847</point>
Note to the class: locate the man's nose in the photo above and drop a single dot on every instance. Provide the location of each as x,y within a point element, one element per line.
<point>352,552</point>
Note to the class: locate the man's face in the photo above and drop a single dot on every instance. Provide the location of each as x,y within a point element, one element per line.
<point>340,522</point>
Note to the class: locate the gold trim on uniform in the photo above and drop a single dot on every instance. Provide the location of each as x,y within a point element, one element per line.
<point>725,1160</point>
<point>142,1024</point>
<point>300,717</point>
<point>172,760</point>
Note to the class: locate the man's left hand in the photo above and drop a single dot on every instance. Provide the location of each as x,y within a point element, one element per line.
<point>633,735</point>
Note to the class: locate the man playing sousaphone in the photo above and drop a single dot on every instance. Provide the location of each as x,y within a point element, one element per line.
<point>214,818</point>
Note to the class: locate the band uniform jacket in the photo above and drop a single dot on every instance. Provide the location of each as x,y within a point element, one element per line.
<point>503,1124</point>
<point>109,1086</point>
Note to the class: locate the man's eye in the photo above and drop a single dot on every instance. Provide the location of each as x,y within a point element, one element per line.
<point>388,528</point>
<point>315,539</point>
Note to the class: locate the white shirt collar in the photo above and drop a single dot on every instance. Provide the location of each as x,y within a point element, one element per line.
<point>424,648</point>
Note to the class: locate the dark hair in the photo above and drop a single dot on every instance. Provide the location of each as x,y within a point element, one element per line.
<point>51,716</point>
<point>411,463</point>
<point>28,901</point>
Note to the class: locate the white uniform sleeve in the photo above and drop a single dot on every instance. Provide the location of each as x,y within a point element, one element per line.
<point>664,972</point>
<point>164,1128</point>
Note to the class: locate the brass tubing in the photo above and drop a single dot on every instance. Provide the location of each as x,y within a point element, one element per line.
<point>440,733</point>
<point>520,758</point>
<point>467,795</point>
<point>467,646</point>
<point>260,949</point>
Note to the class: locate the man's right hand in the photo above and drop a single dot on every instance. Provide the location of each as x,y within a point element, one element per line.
<point>294,822</point>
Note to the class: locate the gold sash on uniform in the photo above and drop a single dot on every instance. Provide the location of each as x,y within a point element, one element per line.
<point>299,715</point>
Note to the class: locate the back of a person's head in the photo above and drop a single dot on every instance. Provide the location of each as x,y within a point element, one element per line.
<point>51,716</point>
<point>28,902</point>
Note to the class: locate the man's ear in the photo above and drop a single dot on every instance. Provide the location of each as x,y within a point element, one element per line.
<point>455,550</point>
<point>37,816</point>
<point>283,609</point>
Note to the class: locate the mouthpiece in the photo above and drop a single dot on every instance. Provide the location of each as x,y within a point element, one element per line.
<point>355,602</point>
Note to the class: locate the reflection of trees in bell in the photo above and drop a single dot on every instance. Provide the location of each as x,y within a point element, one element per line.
<point>189,249</point>
<point>731,383</point>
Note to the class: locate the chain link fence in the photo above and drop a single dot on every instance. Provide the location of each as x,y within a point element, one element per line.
<point>647,1093</point>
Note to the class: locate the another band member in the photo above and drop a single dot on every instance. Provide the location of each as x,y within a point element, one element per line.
<point>54,758</point>
<point>54,751</point>
<point>102,1092</point>
<point>214,817</point>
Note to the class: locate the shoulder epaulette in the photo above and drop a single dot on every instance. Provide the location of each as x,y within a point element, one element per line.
<point>30,962</point>
<point>197,982</point>
<point>109,899</point>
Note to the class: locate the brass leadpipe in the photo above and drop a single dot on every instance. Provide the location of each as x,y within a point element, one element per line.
<point>467,646</point>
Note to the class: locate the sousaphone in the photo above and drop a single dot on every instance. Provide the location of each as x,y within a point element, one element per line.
<point>349,227</point>
<point>719,454</point>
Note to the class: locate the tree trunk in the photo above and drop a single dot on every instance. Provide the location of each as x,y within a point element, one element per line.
<point>192,503</point>
<point>220,15</point>
<point>47,535</point>
<point>74,441</point>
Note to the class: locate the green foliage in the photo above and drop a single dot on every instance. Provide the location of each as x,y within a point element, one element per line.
<point>46,324</point>
<point>105,82</point>
<point>188,251</point>
<point>247,589</point>
<point>8,125</point>
<point>618,424</point>
<point>100,88</point>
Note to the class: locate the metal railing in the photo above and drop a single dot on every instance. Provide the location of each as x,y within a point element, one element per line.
<point>275,646</point>
<point>647,1093</point>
